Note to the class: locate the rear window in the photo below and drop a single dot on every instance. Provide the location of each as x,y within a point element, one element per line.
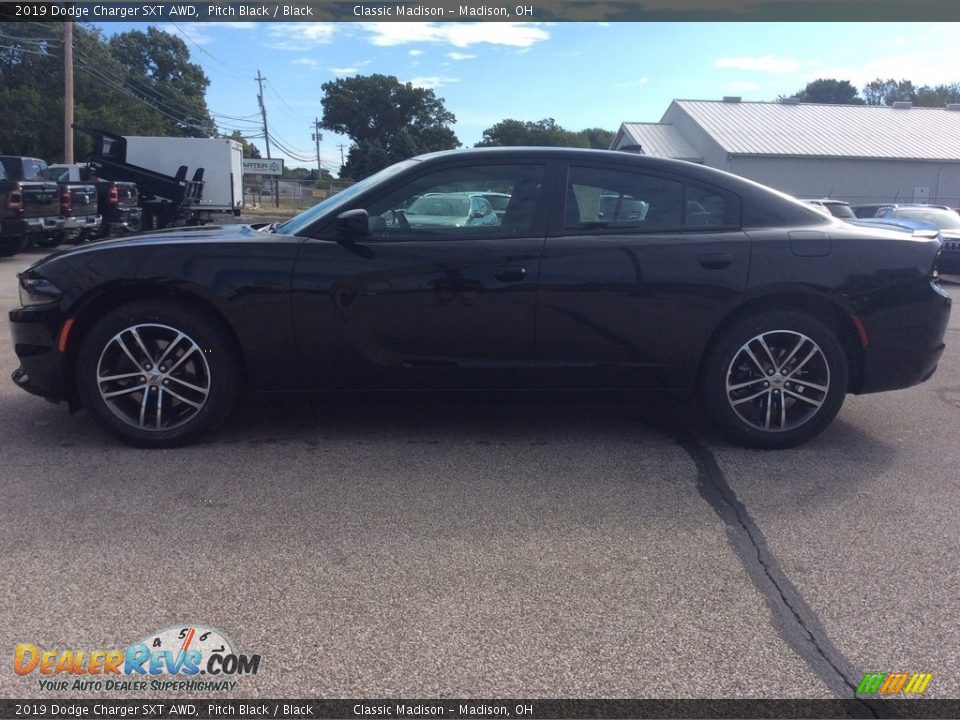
<point>34,169</point>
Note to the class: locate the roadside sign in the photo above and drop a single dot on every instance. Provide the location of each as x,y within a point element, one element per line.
<point>263,166</point>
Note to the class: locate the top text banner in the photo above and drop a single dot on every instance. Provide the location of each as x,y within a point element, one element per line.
<point>471,11</point>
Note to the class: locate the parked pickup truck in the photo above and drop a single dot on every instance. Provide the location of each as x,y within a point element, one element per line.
<point>78,208</point>
<point>117,201</point>
<point>30,204</point>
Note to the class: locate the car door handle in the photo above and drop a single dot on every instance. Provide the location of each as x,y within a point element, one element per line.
<point>511,274</point>
<point>715,261</point>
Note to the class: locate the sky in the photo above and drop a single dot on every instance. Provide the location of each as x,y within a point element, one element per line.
<point>581,74</point>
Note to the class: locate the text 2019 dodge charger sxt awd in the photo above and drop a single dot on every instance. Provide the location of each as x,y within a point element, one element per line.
<point>605,269</point>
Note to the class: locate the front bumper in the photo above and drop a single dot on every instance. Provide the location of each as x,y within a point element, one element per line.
<point>36,332</point>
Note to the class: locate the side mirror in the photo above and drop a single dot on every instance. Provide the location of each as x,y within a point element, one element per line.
<point>353,225</point>
<point>476,215</point>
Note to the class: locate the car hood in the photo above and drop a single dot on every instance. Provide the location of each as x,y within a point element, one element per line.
<point>169,236</point>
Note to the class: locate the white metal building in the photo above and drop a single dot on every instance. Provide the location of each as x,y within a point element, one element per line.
<point>859,153</point>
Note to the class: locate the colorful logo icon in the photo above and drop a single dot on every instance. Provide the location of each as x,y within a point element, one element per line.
<point>899,683</point>
<point>186,651</point>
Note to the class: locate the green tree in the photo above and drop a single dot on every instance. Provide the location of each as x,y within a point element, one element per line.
<point>159,70</point>
<point>938,95</point>
<point>32,116</point>
<point>543,133</point>
<point>829,91</point>
<point>512,133</point>
<point>305,174</point>
<point>108,94</point>
<point>887,92</point>
<point>597,138</point>
<point>387,121</point>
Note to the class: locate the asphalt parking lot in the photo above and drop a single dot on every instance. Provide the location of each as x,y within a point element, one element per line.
<point>547,545</point>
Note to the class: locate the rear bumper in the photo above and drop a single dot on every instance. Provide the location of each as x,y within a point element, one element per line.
<point>31,226</point>
<point>125,220</point>
<point>84,222</point>
<point>36,333</point>
<point>905,338</point>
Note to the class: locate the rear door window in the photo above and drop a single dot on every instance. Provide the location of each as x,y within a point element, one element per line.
<point>599,199</point>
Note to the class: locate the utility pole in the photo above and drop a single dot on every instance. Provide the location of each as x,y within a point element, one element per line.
<point>266,136</point>
<point>317,137</point>
<point>341,146</point>
<point>68,92</point>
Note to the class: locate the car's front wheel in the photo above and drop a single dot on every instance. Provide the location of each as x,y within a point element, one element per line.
<point>775,379</point>
<point>155,374</point>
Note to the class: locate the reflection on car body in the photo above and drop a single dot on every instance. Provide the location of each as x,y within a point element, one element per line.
<point>454,209</point>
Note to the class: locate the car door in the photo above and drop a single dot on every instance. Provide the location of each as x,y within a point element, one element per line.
<point>636,272</point>
<point>433,298</point>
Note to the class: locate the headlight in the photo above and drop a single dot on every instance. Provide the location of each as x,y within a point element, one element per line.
<point>37,291</point>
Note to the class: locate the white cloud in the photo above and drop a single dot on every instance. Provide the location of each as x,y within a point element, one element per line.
<point>309,62</point>
<point>460,56</point>
<point>766,64</point>
<point>414,53</point>
<point>432,82</point>
<point>922,67</point>
<point>300,36</point>
<point>345,70</point>
<point>461,35</point>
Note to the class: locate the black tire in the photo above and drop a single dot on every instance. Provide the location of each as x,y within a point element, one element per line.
<point>193,395</point>
<point>48,242</point>
<point>775,399</point>
<point>10,246</point>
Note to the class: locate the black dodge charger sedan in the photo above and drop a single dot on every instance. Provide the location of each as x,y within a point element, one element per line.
<point>605,269</point>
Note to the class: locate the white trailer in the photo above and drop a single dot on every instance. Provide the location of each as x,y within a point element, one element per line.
<point>220,158</point>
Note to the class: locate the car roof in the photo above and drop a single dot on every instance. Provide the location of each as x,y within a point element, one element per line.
<point>568,153</point>
<point>692,170</point>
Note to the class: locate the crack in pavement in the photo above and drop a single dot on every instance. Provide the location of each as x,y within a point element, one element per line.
<point>794,620</point>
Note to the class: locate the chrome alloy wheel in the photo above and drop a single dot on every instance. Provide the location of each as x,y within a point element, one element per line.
<point>778,380</point>
<point>153,377</point>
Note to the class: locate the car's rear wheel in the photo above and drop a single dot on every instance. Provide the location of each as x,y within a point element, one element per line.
<point>49,242</point>
<point>775,379</point>
<point>155,374</point>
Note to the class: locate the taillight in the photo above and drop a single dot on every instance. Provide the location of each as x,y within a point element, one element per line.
<point>113,197</point>
<point>15,200</point>
<point>66,202</point>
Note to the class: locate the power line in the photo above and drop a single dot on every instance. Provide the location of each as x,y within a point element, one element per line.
<point>236,72</point>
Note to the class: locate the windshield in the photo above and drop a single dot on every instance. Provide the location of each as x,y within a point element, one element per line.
<point>298,223</point>
<point>943,219</point>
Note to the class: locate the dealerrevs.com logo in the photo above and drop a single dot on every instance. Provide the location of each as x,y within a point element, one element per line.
<point>189,658</point>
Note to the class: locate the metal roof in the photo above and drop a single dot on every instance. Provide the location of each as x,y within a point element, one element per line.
<point>808,129</point>
<point>659,140</point>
